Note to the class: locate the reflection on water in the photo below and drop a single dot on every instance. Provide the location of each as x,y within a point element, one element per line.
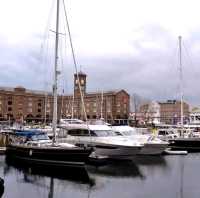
<point>62,173</point>
<point>152,177</point>
<point>117,169</point>
<point>150,160</point>
<point>1,187</point>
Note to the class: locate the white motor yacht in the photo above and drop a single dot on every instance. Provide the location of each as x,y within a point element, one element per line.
<point>105,141</point>
<point>152,144</point>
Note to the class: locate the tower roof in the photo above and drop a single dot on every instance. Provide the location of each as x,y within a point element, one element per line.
<point>80,73</point>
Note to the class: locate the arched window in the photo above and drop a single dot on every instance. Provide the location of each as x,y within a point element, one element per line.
<point>29,116</point>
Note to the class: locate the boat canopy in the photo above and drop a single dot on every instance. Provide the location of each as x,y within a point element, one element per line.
<point>28,133</point>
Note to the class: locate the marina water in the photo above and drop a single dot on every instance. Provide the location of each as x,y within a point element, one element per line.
<point>147,176</point>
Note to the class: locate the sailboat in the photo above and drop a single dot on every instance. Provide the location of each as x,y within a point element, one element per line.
<point>34,146</point>
<point>186,142</point>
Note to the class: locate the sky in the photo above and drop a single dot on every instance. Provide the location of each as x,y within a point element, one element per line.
<point>119,44</point>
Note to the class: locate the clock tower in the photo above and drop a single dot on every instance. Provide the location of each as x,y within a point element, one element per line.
<point>82,78</point>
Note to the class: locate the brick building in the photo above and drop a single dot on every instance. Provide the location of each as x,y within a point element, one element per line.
<point>170,112</point>
<point>20,103</point>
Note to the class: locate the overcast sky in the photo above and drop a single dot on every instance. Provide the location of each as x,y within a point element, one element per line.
<point>121,44</point>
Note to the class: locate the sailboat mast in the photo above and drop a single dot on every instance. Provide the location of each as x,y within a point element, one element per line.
<point>72,114</point>
<point>55,74</point>
<point>102,104</point>
<point>181,77</point>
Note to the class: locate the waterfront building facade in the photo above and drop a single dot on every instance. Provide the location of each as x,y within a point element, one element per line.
<point>169,112</point>
<point>195,116</point>
<point>17,104</point>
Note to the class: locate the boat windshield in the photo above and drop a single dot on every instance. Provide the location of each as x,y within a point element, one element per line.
<point>104,133</point>
<point>129,133</point>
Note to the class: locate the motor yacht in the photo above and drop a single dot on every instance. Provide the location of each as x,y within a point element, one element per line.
<point>105,142</point>
<point>152,144</point>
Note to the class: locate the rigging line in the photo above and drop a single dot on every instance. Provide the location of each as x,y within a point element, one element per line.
<point>75,64</point>
<point>188,54</point>
<point>44,50</point>
<point>174,65</point>
<point>62,69</point>
<point>46,32</point>
<point>74,59</point>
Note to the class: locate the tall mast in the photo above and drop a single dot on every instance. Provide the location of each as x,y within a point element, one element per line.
<point>102,104</point>
<point>55,75</point>
<point>181,78</point>
<point>72,114</point>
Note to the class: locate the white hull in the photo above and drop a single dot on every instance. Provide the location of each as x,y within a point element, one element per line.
<point>153,149</point>
<point>105,147</point>
<point>117,152</point>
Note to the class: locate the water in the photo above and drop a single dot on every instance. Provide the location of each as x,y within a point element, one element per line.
<point>151,177</point>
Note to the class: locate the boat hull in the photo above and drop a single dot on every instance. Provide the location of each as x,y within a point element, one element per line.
<point>53,156</point>
<point>103,149</point>
<point>187,144</point>
<point>153,149</point>
<point>118,152</point>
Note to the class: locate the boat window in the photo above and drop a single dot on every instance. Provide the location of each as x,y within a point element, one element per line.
<point>162,133</point>
<point>40,137</point>
<point>118,133</point>
<point>78,132</point>
<point>92,133</point>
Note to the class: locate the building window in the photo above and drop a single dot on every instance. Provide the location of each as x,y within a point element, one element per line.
<point>0,102</point>
<point>9,108</point>
<point>39,110</point>
<point>30,104</point>
<point>9,102</point>
<point>39,104</point>
<point>30,110</point>
<point>94,104</point>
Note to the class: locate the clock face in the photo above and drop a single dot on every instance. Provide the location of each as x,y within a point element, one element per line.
<point>82,82</point>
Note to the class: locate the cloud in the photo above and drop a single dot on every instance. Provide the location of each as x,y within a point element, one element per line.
<point>123,45</point>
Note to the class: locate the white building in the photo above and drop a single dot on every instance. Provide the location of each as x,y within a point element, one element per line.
<point>195,116</point>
